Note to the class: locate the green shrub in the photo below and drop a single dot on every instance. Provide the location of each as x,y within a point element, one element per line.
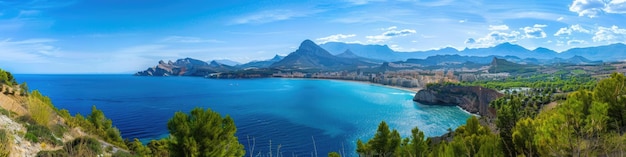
<point>122,154</point>
<point>57,153</point>
<point>31,137</point>
<point>38,133</point>
<point>83,146</point>
<point>5,147</point>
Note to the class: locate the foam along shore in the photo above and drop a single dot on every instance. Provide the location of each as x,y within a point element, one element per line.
<point>414,90</point>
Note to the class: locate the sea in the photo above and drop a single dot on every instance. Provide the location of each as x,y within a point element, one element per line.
<point>292,117</point>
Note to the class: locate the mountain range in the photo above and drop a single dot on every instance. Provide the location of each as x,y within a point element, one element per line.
<point>334,56</point>
<point>310,56</point>
<point>613,52</point>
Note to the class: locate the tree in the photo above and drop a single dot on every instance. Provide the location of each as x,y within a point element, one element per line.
<point>159,147</point>
<point>24,88</point>
<point>333,154</point>
<point>99,121</point>
<point>203,133</point>
<point>379,143</point>
<point>523,135</point>
<point>137,148</point>
<point>419,147</point>
<point>612,91</point>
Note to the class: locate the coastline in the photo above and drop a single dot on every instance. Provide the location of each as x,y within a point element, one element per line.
<point>413,90</point>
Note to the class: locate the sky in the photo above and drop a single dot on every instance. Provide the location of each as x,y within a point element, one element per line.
<point>122,36</point>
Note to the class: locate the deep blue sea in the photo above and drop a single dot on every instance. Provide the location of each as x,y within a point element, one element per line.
<point>289,112</point>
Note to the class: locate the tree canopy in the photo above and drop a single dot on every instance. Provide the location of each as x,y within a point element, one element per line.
<point>203,133</point>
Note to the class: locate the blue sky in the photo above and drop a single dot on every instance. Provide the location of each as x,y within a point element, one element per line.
<point>121,36</point>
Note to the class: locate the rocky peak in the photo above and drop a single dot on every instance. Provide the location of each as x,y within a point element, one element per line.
<point>308,47</point>
<point>277,58</point>
<point>347,54</point>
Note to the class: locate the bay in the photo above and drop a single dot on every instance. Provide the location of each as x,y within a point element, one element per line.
<point>291,113</point>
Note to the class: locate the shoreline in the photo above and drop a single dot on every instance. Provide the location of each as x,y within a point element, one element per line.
<point>413,90</point>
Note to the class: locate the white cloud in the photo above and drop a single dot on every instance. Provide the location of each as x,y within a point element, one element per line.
<point>534,32</point>
<point>610,34</point>
<point>591,8</point>
<point>390,33</point>
<point>560,18</point>
<point>334,38</point>
<point>184,39</point>
<point>493,38</point>
<point>27,51</point>
<point>616,6</point>
<point>588,8</point>
<point>498,27</point>
<point>390,28</point>
<point>575,42</point>
<point>268,16</point>
<point>569,30</point>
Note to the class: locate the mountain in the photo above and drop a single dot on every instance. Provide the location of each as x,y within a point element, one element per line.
<point>504,49</point>
<point>261,64</point>
<point>576,60</point>
<point>450,59</point>
<point>185,67</point>
<point>382,52</point>
<point>227,62</point>
<point>350,55</point>
<point>502,65</point>
<point>613,52</point>
<point>311,56</point>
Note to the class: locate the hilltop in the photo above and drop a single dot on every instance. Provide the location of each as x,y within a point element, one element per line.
<point>32,126</point>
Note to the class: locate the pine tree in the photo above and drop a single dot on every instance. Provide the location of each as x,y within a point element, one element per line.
<point>203,133</point>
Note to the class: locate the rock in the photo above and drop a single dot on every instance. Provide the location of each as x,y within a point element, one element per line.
<point>474,99</point>
<point>184,67</point>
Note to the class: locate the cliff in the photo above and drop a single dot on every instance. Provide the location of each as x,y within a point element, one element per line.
<point>185,67</point>
<point>474,99</point>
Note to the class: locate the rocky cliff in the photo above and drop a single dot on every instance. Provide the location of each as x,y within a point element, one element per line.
<point>185,67</point>
<point>474,99</point>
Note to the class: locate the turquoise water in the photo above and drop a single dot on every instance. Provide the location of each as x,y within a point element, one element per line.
<point>288,112</point>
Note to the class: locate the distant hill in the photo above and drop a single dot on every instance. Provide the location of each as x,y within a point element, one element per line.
<point>227,62</point>
<point>382,52</point>
<point>613,52</point>
<point>350,55</point>
<point>311,56</point>
<point>261,64</point>
<point>502,65</point>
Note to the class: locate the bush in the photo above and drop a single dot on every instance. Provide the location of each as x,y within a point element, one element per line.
<point>37,133</point>
<point>122,154</point>
<point>5,139</point>
<point>83,146</point>
<point>57,153</point>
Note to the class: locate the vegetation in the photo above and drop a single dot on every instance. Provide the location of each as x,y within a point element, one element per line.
<point>40,108</point>
<point>589,121</point>
<point>7,78</point>
<point>5,147</point>
<point>203,133</point>
<point>586,123</point>
<point>562,81</point>
<point>83,146</point>
<point>97,124</point>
